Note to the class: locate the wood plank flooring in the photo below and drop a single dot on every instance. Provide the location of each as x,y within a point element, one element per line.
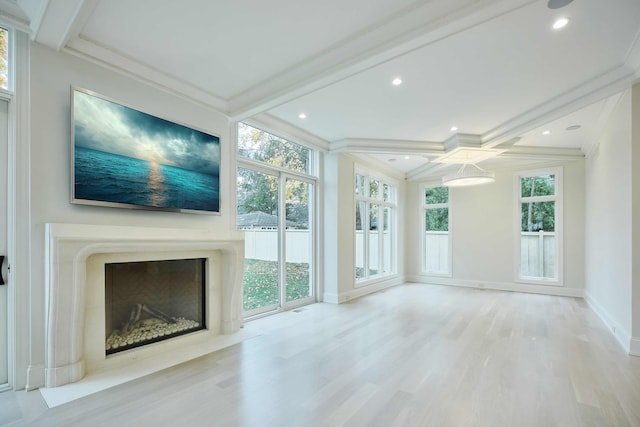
<point>414,355</point>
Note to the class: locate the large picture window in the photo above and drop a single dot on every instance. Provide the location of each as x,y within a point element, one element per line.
<point>375,229</point>
<point>436,242</point>
<point>275,208</point>
<point>539,208</point>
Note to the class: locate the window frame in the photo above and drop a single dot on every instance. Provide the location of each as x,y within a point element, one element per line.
<point>282,174</point>
<point>557,198</point>
<point>391,203</point>
<point>423,228</point>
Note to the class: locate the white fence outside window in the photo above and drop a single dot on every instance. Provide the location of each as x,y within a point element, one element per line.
<point>260,244</point>
<point>537,253</point>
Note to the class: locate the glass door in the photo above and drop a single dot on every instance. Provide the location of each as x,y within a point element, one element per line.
<point>276,214</point>
<point>298,249</point>
<point>258,197</point>
<point>4,132</point>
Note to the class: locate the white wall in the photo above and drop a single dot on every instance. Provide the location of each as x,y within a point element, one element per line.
<point>608,223</point>
<point>339,229</point>
<point>635,261</point>
<point>52,74</point>
<point>484,234</point>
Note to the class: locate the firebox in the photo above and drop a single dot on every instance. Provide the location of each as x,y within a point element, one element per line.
<point>151,301</point>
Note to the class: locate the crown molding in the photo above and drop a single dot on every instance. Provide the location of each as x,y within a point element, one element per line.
<point>610,105</point>
<point>54,24</point>
<point>409,30</point>
<point>541,153</point>
<point>596,89</point>
<point>387,146</point>
<point>632,58</point>
<point>12,14</point>
<point>462,140</point>
<point>366,162</point>
<point>425,171</point>
<point>108,58</point>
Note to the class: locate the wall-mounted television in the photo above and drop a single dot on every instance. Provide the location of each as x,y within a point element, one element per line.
<point>123,157</point>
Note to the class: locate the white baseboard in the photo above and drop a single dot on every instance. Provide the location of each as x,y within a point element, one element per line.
<point>500,286</point>
<point>360,291</point>
<point>621,334</point>
<point>35,377</point>
<point>634,347</point>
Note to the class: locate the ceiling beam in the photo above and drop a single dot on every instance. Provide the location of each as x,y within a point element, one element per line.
<point>600,87</point>
<point>388,146</point>
<point>55,24</point>
<point>416,28</point>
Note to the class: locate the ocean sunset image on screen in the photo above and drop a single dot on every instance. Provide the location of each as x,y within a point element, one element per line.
<point>127,158</point>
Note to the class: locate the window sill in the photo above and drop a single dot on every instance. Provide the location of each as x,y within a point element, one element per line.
<point>544,282</point>
<point>375,279</point>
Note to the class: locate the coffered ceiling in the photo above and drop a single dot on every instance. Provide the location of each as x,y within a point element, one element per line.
<point>495,70</point>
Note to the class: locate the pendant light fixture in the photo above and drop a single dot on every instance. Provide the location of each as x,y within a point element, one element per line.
<point>465,176</point>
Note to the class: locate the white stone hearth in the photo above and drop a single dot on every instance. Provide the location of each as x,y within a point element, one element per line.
<point>75,258</point>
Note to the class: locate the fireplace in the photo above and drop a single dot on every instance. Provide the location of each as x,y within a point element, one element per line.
<point>151,301</point>
<point>79,257</point>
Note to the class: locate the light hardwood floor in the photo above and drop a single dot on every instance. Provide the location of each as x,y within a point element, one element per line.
<point>414,355</point>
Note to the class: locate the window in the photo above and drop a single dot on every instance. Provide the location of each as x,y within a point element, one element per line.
<point>375,232</point>
<point>539,209</point>
<point>437,240</point>
<point>256,144</point>
<point>275,208</point>
<point>4,58</point>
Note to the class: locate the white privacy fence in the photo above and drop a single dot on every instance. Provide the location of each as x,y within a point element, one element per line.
<point>537,253</point>
<point>437,252</point>
<point>263,245</point>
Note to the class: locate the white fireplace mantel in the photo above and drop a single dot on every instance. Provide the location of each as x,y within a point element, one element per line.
<point>68,246</point>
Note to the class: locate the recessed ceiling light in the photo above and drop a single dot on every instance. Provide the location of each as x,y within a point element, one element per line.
<point>397,81</point>
<point>546,132</point>
<point>560,23</point>
<point>302,115</point>
<point>453,128</point>
<point>574,127</point>
<point>407,157</point>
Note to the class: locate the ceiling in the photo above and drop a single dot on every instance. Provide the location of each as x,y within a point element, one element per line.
<point>495,70</point>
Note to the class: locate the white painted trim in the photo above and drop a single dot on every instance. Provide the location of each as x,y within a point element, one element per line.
<point>600,87</point>
<point>557,198</point>
<point>333,298</point>
<point>12,15</point>
<point>130,67</point>
<point>418,25</point>
<point>498,286</point>
<point>387,146</point>
<point>620,333</point>
<point>541,153</point>
<point>609,107</point>
<point>423,247</point>
<point>23,333</point>
<point>79,17</point>
<point>632,57</point>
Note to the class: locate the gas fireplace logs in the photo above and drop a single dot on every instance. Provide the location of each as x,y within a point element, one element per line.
<point>138,330</point>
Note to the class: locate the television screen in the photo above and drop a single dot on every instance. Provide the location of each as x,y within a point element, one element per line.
<point>123,157</point>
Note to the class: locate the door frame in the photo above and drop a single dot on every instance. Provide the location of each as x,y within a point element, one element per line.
<point>282,174</point>
<point>10,243</point>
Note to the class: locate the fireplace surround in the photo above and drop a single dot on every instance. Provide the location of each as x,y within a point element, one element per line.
<point>76,255</point>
